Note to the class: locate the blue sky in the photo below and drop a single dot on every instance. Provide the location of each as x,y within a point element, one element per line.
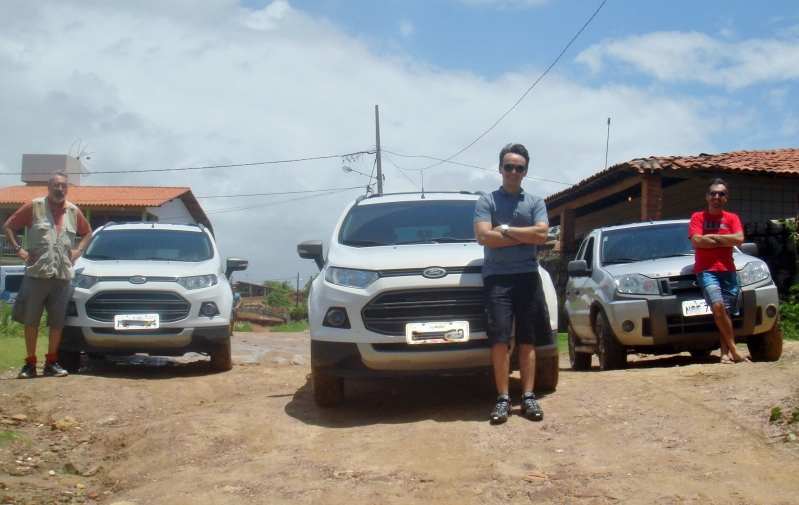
<point>159,84</point>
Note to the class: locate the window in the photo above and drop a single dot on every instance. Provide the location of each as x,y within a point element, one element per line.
<point>150,244</point>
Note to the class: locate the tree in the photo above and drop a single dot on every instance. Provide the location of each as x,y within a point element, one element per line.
<point>277,299</point>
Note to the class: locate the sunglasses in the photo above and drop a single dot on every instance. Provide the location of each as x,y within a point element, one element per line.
<point>717,193</point>
<point>510,168</point>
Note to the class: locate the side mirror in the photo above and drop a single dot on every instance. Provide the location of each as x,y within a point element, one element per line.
<point>235,265</point>
<point>578,268</point>
<point>749,248</point>
<point>312,250</point>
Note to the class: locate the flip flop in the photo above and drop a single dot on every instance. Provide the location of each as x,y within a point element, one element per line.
<point>743,360</point>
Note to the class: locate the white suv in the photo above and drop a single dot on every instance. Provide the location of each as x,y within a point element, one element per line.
<point>153,288</point>
<point>401,293</point>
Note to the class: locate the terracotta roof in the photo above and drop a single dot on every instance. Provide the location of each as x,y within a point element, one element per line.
<point>97,196</point>
<point>778,162</point>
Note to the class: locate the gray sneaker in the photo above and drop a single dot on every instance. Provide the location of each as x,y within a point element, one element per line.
<point>530,408</point>
<point>501,411</point>
<point>54,370</point>
<point>28,371</point>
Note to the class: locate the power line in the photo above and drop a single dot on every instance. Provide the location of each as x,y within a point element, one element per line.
<point>528,89</point>
<point>348,156</point>
<point>279,193</point>
<point>247,207</point>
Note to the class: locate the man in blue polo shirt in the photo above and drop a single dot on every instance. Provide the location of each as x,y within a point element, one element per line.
<point>509,223</point>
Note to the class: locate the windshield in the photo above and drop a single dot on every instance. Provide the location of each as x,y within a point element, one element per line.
<point>646,243</point>
<point>150,244</point>
<point>413,222</point>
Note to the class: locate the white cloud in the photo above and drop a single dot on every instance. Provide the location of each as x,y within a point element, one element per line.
<point>697,57</point>
<point>406,28</point>
<point>503,3</point>
<point>152,89</point>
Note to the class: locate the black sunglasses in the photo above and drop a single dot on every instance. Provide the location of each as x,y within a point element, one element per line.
<point>717,193</point>
<point>510,168</point>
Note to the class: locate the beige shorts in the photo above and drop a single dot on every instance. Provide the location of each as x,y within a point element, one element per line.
<point>37,294</point>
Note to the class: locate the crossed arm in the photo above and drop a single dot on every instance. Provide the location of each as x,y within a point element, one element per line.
<point>713,240</point>
<point>492,236</point>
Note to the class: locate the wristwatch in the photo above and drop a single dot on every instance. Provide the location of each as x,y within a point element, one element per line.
<point>503,229</point>
<point>17,248</point>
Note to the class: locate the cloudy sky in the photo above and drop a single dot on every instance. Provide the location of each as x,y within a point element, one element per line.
<point>168,84</point>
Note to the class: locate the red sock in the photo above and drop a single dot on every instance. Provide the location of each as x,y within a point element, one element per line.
<point>50,358</point>
<point>31,360</point>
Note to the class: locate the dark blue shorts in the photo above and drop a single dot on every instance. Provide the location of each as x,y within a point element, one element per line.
<point>519,296</point>
<point>720,287</point>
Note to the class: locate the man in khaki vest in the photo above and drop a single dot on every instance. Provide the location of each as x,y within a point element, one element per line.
<point>49,258</point>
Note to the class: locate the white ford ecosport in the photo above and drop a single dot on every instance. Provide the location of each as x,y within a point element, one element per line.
<point>153,288</point>
<point>401,293</point>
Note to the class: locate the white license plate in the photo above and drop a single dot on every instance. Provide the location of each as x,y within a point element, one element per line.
<point>437,333</point>
<point>136,322</point>
<point>695,308</point>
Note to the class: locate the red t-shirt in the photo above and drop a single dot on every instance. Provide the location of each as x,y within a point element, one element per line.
<point>24,217</point>
<point>717,259</point>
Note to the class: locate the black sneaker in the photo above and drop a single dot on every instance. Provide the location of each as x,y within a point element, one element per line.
<point>501,411</point>
<point>530,408</point>
<point>54,370</point>
<point>28,372</point>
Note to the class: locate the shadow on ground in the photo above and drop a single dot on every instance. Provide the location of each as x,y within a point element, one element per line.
<point>146,367</point>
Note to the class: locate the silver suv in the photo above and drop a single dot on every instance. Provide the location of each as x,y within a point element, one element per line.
<point>401,293</point>
<point>153,288</point>
<point>632,288</point>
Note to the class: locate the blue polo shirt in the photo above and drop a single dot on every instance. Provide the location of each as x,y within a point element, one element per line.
<point>519,210</point>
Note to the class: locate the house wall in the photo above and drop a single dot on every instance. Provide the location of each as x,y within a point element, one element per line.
<point>174,212</point>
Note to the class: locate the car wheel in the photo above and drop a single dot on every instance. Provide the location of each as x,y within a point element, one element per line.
<point>328,390</point>
<point>69,359</point>
<point>611,354</point>
<point>546,373</point>
<point>221,359</point>
<point>579,361</point>
<point>766,346</point>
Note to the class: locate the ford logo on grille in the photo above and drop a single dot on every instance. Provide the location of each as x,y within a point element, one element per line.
<point>138,280</point>
<point>434,273</point>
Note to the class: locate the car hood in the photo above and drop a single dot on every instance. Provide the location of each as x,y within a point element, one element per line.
<point>405,256</point>
<point>668,267</point>
<point>148,268</point>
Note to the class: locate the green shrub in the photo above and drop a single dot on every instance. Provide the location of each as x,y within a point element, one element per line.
<point>299,313</point>
<point>9,328</point>
<point>291,327</point>
<point>789,315</point>
<point>242,326</point>
<point>278,300</point>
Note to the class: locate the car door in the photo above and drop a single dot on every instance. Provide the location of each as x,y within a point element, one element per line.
<point>579,291</point>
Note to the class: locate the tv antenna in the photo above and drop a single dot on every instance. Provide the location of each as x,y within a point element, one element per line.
<point>80,154</point>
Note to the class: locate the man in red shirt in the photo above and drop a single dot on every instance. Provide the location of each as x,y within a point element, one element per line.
<point>714,232</point>
<point>49,258</point>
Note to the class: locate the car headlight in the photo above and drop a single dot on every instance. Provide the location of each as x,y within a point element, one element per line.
<point>637,284</point>
<point>754,271</point>
<point>349,277</point>
<point>84,281</point>
<point>198,281</point>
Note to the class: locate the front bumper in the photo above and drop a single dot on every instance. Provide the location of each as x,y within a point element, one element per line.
<point>162,342</point>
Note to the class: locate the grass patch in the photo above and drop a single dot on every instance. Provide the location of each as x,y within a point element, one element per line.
<point>291,327</point>
<point>7,436</point>
<point>243,326</point>
<point>563,343</point>
<point>12,341</point>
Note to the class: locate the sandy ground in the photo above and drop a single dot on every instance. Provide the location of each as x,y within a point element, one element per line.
<point>166,431</point>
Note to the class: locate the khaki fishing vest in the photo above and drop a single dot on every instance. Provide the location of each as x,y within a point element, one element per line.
<point>48,247</point>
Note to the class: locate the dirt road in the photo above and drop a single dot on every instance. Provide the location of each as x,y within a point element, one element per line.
<point>165,431</point>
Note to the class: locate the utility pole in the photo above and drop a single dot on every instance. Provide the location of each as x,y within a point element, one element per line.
<point>607,144</point>
<point>377,153</point>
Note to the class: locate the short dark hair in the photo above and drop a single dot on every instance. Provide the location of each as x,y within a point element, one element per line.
<point>716,182</point>
<point>515,149</point>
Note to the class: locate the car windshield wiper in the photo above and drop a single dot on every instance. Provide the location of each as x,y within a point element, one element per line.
<point>676,255</point>
<point>159,258</point>
<point>366,243</point>
<point>99,257</point>
<point>620,260</point>
<point>439,240</point>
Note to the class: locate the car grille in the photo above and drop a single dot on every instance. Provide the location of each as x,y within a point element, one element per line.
<point>169,306</point>
<point>405,272</point>
<point>388,313</point>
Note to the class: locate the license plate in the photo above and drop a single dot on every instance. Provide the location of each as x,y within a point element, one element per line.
<point>136,322</point>
<point>437,333</point>
<point>695,308</point>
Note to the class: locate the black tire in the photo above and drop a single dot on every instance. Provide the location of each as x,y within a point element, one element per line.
<point>612,355</point>
<point>766,346</point>
<point>579,361</point>
<point>328,390</point>
<point>546,373</point>
<point>69,360</point>
<point>221,357</point>
<point>701,354</point>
